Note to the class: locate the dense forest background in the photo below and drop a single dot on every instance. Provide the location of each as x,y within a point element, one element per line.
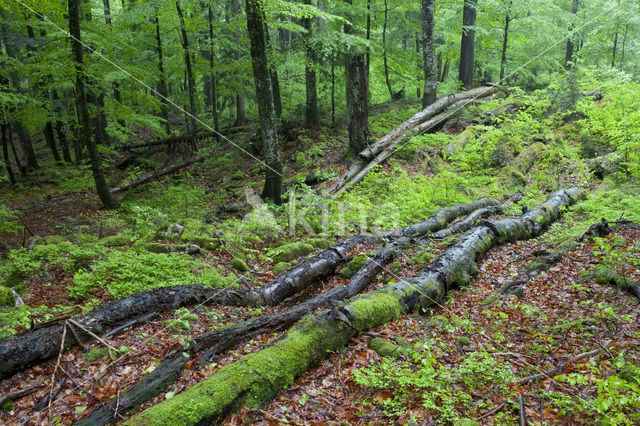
<point>356,211</point>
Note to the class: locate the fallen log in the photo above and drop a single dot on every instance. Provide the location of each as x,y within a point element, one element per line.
<point>419,123</point>
<point>220,340</point>
<point>147,177</point>
<point>171,140</point>
<point>256,378</point>
<point>29,348</point>
<point>435,108</point>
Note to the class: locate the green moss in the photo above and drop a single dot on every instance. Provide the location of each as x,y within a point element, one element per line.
<point>6,297</point>
<point>463,341</point>
<point>437,321</point>
<point>300,160</point>
<point>384,347</point>
<point>82,238</point>
<point>54,239</point>
<point>517,178</point>
<point>290,251</point>
<point>466,422</point>
<point>540,264</point>
<point>354,266</point>
<point>319,243</point>
<point>239,265</point>
<point>97,353</point>
<point>401,341</point>
<point>115,240</point>
<point>395,268</point>
<point>7,406</point>
<point>605,275</point>
<point>166,248</point>
<point>585,275</point>
<point>281,267</point>
<point>203,241</point>
<point>374,309</point>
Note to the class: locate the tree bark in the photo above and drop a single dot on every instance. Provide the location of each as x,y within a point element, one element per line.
<point>81,101</point>
<point>212,76</point>
<point>428,53</point>
<point>357,96</point>
<point>568,55</point>
<point>613,53</point>
<point>51,141</point>
<point>312,114</point>
<point>191,84</point>
<point>273,71</point>
<point>162,89</point>
<point>241,116</point>
<point>467,44</point>
<point>5,150</point>
<point>258,377</point>
<point>264,97</point>
<point>505,39</point>
<point>392,95</point>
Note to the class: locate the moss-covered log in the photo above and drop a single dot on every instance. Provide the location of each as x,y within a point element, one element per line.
<point>217,341</point>
<point>524,161</point>
<point>605,275</point>
<point>257,377</point>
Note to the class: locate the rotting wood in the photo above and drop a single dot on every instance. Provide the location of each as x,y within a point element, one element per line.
<point>256,378</point>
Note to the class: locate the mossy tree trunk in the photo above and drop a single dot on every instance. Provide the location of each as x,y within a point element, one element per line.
<point>108,201</point>
<point>256,378</point>
<point>467,43</point>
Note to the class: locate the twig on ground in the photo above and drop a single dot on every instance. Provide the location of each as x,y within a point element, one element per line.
<point>12,396</point>
<point>493,411</point>
<point>523,419</point>
<point>95,336</point>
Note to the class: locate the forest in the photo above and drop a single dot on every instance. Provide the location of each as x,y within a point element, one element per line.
<point>320,212</point>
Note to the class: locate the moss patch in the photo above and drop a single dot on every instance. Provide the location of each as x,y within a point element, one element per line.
<point>6,297</point>
<point>291,251</point>
<point>239,265</point>
<point>319,243</point>
<point>96,354</point>
<point>354,266</point>
<point>385,347</point>
<point>281,267</point>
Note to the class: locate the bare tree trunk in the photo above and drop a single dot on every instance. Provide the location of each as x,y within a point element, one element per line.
<point>81,99</point>
<point>384,52</point>
<point>368,52</point>
<point>357,95</point>
<point>624,41</point>
<point>505,38</point>
<point>420,66</point>
<point>59,127</point>
<point>428,52</point>
<point>162,89</point>
<point>465,71</point>
<point>568,55</point>
<point>333,90</point>
<point>264,96</point>
<point>445,70</point>
<point>273,70</point>
<point>312,113</point>
<point>191,84</point>
<point>241,116</point>
<point>615,45</point>
<point>5,150</point>
<point>212,76</point>
<point>51,141</point>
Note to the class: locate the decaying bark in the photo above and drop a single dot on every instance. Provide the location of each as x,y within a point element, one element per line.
<point>258,377</point>
<point>217,341</point>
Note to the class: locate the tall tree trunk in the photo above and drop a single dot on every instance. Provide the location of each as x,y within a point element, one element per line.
<point>212,76</point>
<point>505,38</point>
<point>81,99</point>
<point>191,84</point>
<point>333,90</point>
<point>162,89</point>
<point>428,52</point>
<point>264,96</point>
<point>5,150</point>
<point>357,95</point>
<point>64,143</point>
<point>624,41</point>
<point>445,70</point>
<point>51,141</point>
<point>615,45</point>
<point>384,52</point>
<point>420,65</point>
<point>23,170</point>
<point>273,70</point>
<point>467,43</point>
<point>312,113</point>
<point>568,55</point>
<point>241,115</point>
<point>368,53</point>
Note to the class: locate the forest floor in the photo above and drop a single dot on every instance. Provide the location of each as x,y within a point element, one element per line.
<point>468,351</point>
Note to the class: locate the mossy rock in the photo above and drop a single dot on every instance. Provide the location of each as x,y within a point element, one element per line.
<point>147,238</point>
<point>54,239</point>
<point>239,265</point>
<point>517,178</point>
<point>281,267</point>
<point>115,240</point>
<point>463,341</point>
<point>178,325</point>
<point>6,297</point>
<point>354,266</point>
<point>82,238</point>
<point>299,161</point>
<point>433,164</point>
<point>290,251</point>
<point>319,243</point>
<point>385,347</point>
<point>96,354</point>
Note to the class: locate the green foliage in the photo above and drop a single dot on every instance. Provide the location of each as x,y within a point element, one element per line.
<point>6,296</point>
<point>183,322</point>
<point>239,265</point>
<point>441,389</point>
<point>124,273</point>
<point>8,221</point>
<point>617,400</point>
<point>281,267</point>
